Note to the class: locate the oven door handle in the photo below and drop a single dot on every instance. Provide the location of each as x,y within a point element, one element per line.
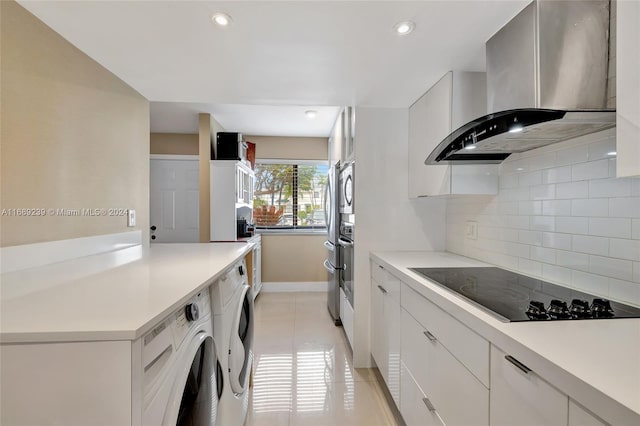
<point>329,246</point>
<point>345,243</point>
<point>329,267</point>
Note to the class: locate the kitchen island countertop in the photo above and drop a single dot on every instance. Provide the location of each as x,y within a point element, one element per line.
<point>595,362</point>
<point>117,295</point>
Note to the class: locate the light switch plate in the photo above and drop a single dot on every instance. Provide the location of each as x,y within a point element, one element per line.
<point>471,230</point>
<point>131,218</point>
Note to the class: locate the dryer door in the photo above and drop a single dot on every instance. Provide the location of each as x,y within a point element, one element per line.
<point>195,397</point>
<point>241,344</point>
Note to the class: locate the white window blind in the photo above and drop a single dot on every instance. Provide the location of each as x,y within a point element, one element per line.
<point>289,195</point>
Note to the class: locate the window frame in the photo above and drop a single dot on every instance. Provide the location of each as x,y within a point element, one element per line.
<point>291,229</point>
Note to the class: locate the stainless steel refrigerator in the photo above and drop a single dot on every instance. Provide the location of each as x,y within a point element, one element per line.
<point>333,262</point>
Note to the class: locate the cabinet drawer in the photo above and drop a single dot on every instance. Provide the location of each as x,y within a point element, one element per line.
<point>346,315</point>
<point>458,396</point>
<point>578,416</point>
<point>386,280</point>
<point>413,406</point>
<point>467,346</point>
<point>523,397</point>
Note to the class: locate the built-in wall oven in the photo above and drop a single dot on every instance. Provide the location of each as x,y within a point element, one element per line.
<point>346,243</point>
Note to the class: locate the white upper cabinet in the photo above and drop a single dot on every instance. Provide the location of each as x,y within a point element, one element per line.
<point>628,88</point>
<point>453,101</point>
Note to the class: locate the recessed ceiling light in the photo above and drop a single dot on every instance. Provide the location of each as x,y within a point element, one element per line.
<point>404,27</point>
<point>470,147</point>
<point>221,19</point>
<point>311,113</point>
<point>516,128</point>
<point>612,153</point>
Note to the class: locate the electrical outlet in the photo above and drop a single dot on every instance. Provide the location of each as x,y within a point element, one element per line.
<point>471,230</point>
<point>131,218</point>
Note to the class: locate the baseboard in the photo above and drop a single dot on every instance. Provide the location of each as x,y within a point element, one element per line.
<point>283,287</point>
<point>15,258</point>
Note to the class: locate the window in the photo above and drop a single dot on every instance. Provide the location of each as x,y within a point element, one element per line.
<point>289,194</point>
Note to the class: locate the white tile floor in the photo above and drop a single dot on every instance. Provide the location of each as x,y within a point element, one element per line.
<point>303,369</point>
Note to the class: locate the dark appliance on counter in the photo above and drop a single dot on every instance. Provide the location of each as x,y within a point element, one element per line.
<point>333,263</point>
<point>513,297</point>
<point>230,146</point>
<point>244,229</point>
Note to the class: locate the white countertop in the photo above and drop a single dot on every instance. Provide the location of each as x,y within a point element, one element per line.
<point>595,362</point>
<point>118,295</point>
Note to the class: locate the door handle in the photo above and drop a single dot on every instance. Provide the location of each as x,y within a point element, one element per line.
<point>518,364</point>
<point>345,243</point>
<point>328,267</point>
<point>329,246</point>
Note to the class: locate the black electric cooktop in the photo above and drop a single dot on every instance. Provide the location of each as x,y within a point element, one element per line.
<point>514,297</point>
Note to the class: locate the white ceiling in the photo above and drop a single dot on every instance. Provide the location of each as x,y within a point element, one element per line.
<point>296,54</point>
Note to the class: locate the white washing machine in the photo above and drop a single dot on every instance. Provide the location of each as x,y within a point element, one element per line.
<point>180,368</point>
<point>232,305</point>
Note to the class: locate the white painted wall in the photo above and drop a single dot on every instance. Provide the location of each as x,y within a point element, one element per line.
<point>386,219</point>
<point>560,214</point>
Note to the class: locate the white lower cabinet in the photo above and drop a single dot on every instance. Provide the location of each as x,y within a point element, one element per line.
<point>578,416</point>
<point>415,408</point>
<point>519,396</point>
<point>346,315</point>
<point>455,394</point>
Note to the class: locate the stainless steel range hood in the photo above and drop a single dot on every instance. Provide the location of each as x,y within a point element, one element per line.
<point>547,81</point>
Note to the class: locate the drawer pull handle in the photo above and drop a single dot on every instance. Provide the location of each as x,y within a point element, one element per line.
<point>518,364</point>
<point>382,289</point>
<point>429,405</point>
<point>430,336</point>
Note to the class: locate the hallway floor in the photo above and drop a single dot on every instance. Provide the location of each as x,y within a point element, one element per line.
<point>303,369</point>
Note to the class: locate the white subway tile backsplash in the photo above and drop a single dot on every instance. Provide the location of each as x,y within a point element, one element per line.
<point>591,170</point>
<point>572,260</point>
<point>569,191</point>
<point>599,150</point>
<point>556,175</point>
<point>543,192</point>
<point>624,291</point>
<point>572,225</point>
<point>590,245</point>
<point>610,188</point>
<point>530,178</point>
<point>556,274</point>
<point>624,249</point>
<point>518,222</point>
<point>556,207</point>
<point>545,255</point>
<point>590,207</point>
<point>530,267</point>
<point>609,267</point>
<point>624,207</point>
<point>543,223</point>
<point>576,154</point>
<point>557,241</point>
<point>590,283</point>
<point>560,214</point>
<point>529,208</point>
<point>609,227</point>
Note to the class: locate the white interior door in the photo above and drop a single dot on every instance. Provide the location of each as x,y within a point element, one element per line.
<point>174,200</point>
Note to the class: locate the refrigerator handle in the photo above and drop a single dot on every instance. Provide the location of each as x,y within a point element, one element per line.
<point>327,200</point>
<point>345,243</point>
<point>328,266</point>
<point>329,246</point>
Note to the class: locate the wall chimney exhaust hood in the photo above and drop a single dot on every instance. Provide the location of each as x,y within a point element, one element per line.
<point>547,81</point>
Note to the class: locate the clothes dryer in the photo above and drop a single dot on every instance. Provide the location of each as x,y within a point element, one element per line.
<point>232,304</point>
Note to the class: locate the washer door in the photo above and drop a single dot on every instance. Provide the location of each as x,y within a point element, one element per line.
<point>241,344</point>
<point>196,390</point>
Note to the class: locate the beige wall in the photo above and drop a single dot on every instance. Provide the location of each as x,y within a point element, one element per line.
<point>293,148</point>
<point>293,258</point>
<point>174,143</point>
<point>73,136</point>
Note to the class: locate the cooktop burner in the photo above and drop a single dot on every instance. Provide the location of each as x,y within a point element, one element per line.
<point>514,297</point>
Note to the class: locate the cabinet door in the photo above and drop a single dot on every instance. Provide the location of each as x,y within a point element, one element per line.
<point>521,397</point>
<point>628,88</point>
<point>429,124</point>
<point>346,315</point>
<point>578,416</point>
<point>379,338</point>
<point>392,331</point>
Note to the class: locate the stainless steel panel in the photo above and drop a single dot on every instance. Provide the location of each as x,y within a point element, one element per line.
<point>573,54</point>
<point>331,196</point>
<point>511,64</point>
